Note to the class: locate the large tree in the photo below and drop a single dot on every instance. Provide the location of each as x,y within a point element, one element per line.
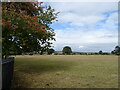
<point>26,27</point>
<point>67,50</point>
<point>50,51</point>
<point>116,51</point>
<point>100,52</point>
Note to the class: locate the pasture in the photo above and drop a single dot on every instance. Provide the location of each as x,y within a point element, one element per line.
<point>66,71</point>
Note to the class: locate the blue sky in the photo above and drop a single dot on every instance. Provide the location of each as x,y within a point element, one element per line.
<point>86,26</point>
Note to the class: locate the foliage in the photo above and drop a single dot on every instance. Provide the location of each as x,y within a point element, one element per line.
<point>50,51</point>
<point>116,51</point>
<point>113,52</point>
<point>100,52</point>
<point>26,27</point>
<point>67,50</point>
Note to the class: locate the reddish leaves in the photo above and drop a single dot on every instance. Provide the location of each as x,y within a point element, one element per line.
<point>30,23</point>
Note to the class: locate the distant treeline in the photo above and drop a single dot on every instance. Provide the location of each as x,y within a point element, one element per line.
<point>82,53</point>
<point>68,51</point>
<point>59,53</point>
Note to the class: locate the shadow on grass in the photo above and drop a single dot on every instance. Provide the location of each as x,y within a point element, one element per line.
<point>36,67</point>
<point>42,66</point>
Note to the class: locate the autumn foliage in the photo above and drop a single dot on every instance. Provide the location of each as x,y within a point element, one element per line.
<point>26,27</point>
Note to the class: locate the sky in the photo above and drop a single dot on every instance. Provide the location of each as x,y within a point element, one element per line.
<point>86,26</point>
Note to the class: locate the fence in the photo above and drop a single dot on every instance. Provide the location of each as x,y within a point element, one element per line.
<point>7,72</point>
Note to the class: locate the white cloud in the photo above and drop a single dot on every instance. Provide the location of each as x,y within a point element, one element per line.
<point>79,0</point>
<point>72,36</point>
<point>85,13</point>
<point>81,46</point>
<point>86,40</point>
<point>78,20</point>
<point>100,19</point>
<point>111,22</point>
<point>84,8</point>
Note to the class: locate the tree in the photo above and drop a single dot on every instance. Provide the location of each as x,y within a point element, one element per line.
<point>100,52</point>
<point>116,51</point>
<point>67,50</point>
<point>26,27</point>
<point>50,51</point>
<point>113,52</point>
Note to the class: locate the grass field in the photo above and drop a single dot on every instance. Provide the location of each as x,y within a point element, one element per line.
<point>66,71</point>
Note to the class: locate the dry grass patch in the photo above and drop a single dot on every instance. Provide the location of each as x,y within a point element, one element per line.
<point>66,71</point>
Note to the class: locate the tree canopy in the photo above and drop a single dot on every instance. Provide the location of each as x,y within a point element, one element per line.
<point>100,52</point>
<point>26,27</point>
<point>67,50</point>
<point>50,51</point>
<point>116,50</point>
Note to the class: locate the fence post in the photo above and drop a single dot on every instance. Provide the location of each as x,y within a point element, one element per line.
<point>7,72</point>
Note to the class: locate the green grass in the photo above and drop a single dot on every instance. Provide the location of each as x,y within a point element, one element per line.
<point>66,71</point>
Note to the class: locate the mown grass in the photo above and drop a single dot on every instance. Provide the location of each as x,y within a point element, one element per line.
<point>66,71</point>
